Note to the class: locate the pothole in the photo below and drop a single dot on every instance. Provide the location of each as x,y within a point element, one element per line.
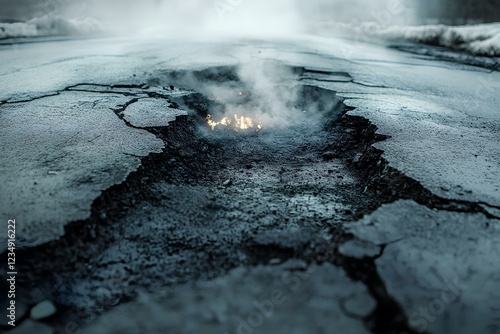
<point>215,198</point>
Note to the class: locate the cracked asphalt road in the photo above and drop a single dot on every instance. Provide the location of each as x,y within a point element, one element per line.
<point>378,213</point>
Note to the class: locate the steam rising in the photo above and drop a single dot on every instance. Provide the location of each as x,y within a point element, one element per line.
<point>259,89</point>
<point>265,93</point>
<point>272,97</point>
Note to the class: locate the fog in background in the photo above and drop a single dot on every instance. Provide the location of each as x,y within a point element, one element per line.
<point>247,17</point>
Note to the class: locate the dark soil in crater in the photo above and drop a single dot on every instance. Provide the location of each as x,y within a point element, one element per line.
<point>212,201</point>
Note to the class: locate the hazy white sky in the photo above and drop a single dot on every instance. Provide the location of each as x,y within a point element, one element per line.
<point>254,17</point>
<point>216,17</point>
<point>258,16</point>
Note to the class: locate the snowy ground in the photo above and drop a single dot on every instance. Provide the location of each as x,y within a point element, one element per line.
<point>49,25</point>
<point>69,137</point>
<point>479,40</point>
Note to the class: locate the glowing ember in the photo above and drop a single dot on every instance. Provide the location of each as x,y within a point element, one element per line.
<point>239,123</point>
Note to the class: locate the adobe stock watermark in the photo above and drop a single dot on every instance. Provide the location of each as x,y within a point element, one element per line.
<point>11,272</point>
<point>487,86</point>
<point>420,320</point>
<point>382,19</point>
<point>222,7</point>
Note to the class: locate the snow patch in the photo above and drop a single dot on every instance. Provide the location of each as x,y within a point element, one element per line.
<point>49,25</point>
<point>479,40</point>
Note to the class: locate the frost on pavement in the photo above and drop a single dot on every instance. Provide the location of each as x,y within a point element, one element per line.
<point>76,148</point>
<point>290,298</point>
<point>441,266</point>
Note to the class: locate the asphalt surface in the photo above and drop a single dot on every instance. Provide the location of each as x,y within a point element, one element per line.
<point>368,202</point>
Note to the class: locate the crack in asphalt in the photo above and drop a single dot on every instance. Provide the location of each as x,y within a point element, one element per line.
<point>119,112</point>
<point>58,62</point>
<point>74,87</point>
<point>427,52</point>
<point>426,64</point>
<point>389,182</point>
<point>34,98</point>
<point>344,81</point>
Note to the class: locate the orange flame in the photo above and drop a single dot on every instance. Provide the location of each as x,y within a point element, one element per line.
<point>240,123</point>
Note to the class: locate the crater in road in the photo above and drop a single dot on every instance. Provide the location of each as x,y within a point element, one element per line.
<point>218,199</point>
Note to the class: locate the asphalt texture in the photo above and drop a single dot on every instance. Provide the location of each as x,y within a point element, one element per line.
<point>329,218</point>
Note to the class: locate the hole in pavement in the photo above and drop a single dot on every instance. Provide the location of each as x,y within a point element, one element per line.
<point>217,198</point>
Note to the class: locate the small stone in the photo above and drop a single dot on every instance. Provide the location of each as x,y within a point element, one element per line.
<point>360,305</point>
<point>43,310</point>
<point>357,158</point>
<point>227,183</point>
